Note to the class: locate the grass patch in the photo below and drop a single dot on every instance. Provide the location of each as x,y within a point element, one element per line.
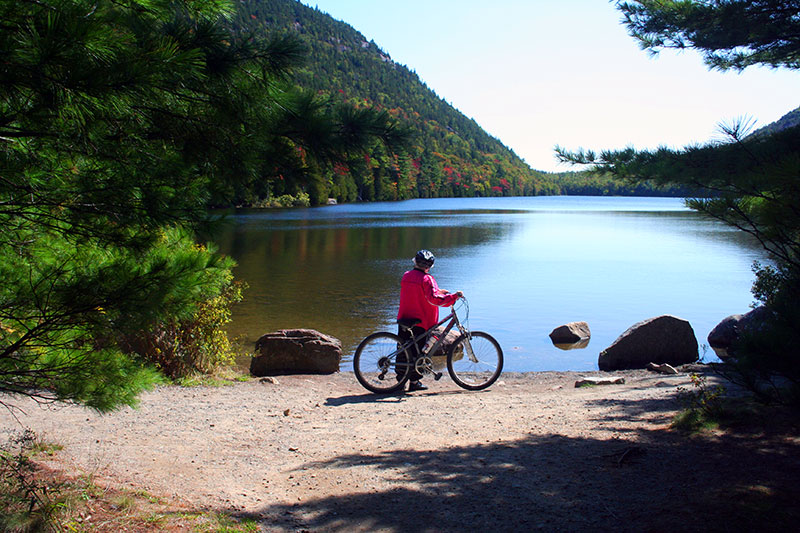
<point>223,523</point>
<point>708,408</point>
<point>34,497</point>
<point>220,378</point>
<point>693,420</point>
<point>705,408</point>
<point>27,502</point>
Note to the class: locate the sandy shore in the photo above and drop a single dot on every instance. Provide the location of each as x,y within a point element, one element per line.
<point>319,453</point>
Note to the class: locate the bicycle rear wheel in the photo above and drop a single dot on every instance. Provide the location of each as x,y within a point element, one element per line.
<point>475,363</point>
<point>375,363</point>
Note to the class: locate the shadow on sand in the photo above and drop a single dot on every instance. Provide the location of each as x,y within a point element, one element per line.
<point>645,480</point>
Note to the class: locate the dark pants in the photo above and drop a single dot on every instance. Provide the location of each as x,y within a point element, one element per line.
<point>405,335</point>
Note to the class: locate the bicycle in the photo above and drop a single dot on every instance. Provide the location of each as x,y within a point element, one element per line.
<point>474,361</point>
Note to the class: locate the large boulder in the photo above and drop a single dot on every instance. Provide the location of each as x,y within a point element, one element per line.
<point>296,351</point>
<point>570,333</point>
<point>663,339</point>
<point>449,339</point>
<point>725,334</point>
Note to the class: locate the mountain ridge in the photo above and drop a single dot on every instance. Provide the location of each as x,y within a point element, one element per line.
<point>451,154</point>
<point>789,120</point>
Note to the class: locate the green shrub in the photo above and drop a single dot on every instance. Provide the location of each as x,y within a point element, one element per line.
<point>196,344</point>
<point>190,336</point>
<point>767,356</point>
<point>300,199</point>
<point>704,406</point>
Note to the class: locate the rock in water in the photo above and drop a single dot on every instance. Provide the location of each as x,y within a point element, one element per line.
<point>296,351</point>
<point>663,339</point>
<point>570,333</point>
<point>726,333</point>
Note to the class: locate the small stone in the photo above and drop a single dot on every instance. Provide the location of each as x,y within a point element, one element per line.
<point>592,381</point>
<point>663,368</point>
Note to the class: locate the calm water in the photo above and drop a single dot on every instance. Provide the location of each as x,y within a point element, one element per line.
<point>526,266</point>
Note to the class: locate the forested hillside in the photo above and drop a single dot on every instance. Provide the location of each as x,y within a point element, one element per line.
<point>789,120</point>
<point>449,154</point>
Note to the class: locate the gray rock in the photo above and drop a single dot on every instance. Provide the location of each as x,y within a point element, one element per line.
<point>296,351</point>
<point>449,339</point>
<point>725,334</point>
<point>570,333</point>
<point>592,381</point>
<point>662,368</point>
<point>663,339</point>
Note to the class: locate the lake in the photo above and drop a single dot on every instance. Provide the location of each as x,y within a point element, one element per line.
<point>526,265</point>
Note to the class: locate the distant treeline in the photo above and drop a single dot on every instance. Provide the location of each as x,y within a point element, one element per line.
<point>589,183</point>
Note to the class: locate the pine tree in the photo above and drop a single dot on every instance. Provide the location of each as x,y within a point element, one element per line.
<point>751,182</point>
<point>120,123</point>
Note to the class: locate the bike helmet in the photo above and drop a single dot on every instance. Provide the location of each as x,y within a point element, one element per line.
<point>424,259</point>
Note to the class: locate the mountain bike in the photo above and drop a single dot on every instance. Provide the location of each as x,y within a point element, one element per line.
<point>474,360</point>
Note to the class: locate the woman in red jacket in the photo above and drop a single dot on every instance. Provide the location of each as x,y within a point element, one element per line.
<point>420,299</point>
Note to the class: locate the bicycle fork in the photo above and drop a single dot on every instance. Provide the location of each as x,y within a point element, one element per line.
<point>467,341</point>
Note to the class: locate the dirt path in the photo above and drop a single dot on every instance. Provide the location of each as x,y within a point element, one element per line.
<point>319,453</point>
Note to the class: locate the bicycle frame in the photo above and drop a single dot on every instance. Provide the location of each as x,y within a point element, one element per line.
<point>474,359</point>
<point>454,321</point>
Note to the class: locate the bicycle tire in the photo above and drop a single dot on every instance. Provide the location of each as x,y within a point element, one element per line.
<point>375,364</point>
<point>484,370</point>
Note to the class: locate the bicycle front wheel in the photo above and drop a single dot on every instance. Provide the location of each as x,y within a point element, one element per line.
<point>475,362</point>
<point>375,363</point>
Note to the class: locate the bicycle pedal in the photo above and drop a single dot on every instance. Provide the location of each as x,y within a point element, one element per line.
<point>437,376</point>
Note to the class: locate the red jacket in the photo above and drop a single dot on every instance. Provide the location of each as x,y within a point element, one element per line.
<point>420,297</point>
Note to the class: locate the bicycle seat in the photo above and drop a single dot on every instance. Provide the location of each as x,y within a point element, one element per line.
<point>408,323</point>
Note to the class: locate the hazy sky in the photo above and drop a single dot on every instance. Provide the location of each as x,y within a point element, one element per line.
<point>537,73</point>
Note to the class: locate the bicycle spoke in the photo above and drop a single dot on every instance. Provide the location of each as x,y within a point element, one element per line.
<point>475,363</point>
<point>375,363</point>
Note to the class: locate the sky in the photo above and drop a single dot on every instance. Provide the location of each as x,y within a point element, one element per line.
<point>540,73</point>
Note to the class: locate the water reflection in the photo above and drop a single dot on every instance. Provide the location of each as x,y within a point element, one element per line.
<point>580,345</point>
<point>337,276</point>
<point>526,265</point>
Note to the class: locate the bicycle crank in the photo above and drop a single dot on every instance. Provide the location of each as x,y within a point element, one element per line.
<point>424,365</point>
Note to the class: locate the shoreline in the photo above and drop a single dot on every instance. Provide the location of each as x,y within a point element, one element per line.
<point>318,452</point>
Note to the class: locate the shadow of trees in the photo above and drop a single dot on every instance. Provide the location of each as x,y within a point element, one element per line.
<point>650,479</point>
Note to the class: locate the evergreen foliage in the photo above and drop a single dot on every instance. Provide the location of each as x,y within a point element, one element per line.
<point>120,122</point>
<point>731,34</point>
<point>751,182</point>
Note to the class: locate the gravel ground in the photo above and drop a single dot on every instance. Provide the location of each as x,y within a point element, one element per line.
<point>319,453</point>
